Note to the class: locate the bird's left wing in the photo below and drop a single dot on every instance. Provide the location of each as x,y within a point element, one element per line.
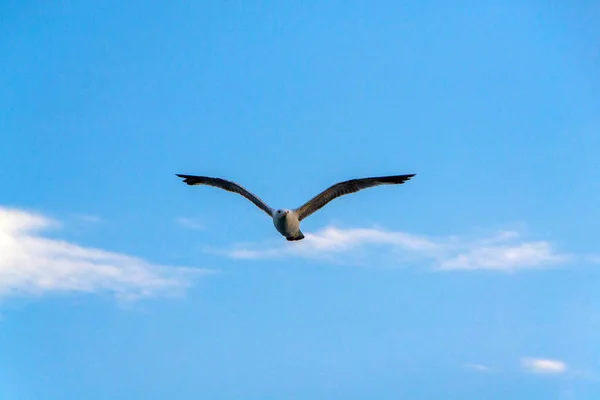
<point>230,187</point>
<point>346,187</point>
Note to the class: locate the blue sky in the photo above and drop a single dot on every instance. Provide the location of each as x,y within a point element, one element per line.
<point>476,279</point>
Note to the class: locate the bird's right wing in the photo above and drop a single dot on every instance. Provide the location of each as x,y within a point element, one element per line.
<point>229,186</point>
<point>346,187</point>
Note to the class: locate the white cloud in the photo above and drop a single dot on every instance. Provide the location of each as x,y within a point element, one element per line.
<point>509,257</point>
<point>504,251</point>
<point>543,366</point>
<point>190,223</point>
<point>33,264</point>
<point>331,241</point>
<point>478,367</point>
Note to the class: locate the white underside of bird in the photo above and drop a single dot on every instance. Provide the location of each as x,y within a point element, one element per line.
<point>286,221</point>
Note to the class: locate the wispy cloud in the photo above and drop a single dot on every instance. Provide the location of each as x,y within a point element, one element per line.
<point>333,241</point>
<point>190,223</point>
<point>88,218</point>
<point>543,366</point>
<point>503,251</point>
<point>478,367</point>
<point>594,258</point>
<point>506,257</point>
<point>34,264</point>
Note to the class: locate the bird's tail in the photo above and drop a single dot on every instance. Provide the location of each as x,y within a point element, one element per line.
<point>296,237</point>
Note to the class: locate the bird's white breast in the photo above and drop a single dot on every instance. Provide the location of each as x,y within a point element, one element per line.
<point>286,224</point>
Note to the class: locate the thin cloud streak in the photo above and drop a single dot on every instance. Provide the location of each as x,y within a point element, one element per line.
<point>90,219</point>
<point>32,264</point>
<point>543,366</point>
<point>478,367</point>
<point>503,251</point>
<point>509,257</point>
<point>190,223</point>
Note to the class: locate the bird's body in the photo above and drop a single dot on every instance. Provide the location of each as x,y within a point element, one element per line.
<point>287,222</point>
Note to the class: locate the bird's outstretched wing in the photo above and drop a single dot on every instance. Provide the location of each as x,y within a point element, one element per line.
<point>346,187</point>
<point>229,186</point>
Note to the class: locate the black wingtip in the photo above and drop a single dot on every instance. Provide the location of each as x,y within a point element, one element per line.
<point>408,177</point>
<point>186,178</point>
<point>397,178</point>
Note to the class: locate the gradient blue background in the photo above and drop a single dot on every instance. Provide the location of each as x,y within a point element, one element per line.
<point>495,105</point>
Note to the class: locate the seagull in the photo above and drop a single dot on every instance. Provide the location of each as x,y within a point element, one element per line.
<point>287,222</point>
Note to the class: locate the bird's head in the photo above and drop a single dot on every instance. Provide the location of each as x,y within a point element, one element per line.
<point>281,213</point>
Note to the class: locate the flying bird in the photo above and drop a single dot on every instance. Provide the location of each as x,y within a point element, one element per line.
<point>287,222</point>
